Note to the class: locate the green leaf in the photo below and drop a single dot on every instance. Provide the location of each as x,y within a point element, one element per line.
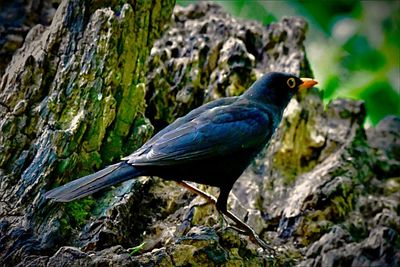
<point>136,249</point>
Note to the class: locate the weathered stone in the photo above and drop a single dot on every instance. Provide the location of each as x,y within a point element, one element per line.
<point>211,54</point>
<point>385,140</point>
<point>336,249</point>
<point>17,17</point>
<point>72,101</point>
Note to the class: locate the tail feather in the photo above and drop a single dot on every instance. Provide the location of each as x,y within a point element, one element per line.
<point>92,183</point>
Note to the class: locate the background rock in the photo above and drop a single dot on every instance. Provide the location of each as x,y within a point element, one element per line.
<point>17,17</point>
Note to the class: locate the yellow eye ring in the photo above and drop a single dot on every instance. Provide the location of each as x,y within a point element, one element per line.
<point>291,82</point>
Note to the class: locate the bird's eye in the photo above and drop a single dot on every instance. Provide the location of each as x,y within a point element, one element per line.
<point>291,82</point>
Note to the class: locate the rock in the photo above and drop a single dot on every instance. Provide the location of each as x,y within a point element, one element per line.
<point>16,19</point>
<point>337,249</point>
<point>324,193</point>
<point>385,140</point>
<point>66,96</point>
<point>70,256</point>
<point>211,54</point>
<point>336,238</point>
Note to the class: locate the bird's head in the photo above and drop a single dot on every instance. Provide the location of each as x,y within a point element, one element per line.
<point>278,88</point>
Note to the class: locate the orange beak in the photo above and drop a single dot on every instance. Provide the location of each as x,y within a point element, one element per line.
<point>307,83</point>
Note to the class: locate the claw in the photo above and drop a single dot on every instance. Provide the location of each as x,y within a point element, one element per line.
<point>240,226</point>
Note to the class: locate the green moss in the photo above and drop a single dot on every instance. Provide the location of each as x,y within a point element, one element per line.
<point>75,215</point>
<point>65,227</point>
<point>342,202</point>
<point>318,222</point>
<point>391,186</point>
<point>341,206</point>
<point>289,179</point>
<point>131,105</point>
<point>130,90</point>
<point>66,164</point>
<point>79,211</point>
<point>215,254</point>
<point>112,148</point>
<point>89,161</point>
<point>313,230</point>
<point>357,229</point>
<point>290,257</point>
<point>97,129</point>
<point>128,109</point>
<point>70,140</point>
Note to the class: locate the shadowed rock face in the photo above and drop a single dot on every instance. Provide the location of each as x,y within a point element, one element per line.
<point>325,192</point>
<point>17,17</point>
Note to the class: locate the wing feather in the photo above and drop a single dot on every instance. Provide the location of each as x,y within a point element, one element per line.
<point>218,131</point>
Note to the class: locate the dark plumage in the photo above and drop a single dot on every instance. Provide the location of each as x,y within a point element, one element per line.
<point>212,145</point>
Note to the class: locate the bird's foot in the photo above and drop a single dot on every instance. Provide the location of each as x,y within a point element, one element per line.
<point>224,224</point>
<point>237,229</point>
<point>253,237</point>
<point>245,229</point>
<point>256,239</point>
<point>239,225</point>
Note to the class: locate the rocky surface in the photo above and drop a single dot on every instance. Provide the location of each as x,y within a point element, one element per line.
<point>72,100</point>
<point>324,193</point>
<point>17,17</point>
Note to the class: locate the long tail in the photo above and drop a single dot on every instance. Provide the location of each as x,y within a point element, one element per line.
<point>92,183</point>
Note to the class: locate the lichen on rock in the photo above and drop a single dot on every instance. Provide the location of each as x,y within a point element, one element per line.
<point>72,98</point>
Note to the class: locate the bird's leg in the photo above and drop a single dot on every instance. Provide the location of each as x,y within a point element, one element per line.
<point>221,205</point>
<point>246,229</point>
<point>197,191</point>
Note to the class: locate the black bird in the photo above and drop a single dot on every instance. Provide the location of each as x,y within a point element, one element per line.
<point>212,145</point>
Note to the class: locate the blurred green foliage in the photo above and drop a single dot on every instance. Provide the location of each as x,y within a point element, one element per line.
<point>353,46</point>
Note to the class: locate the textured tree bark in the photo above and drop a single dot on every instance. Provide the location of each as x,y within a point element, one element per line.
<point>72,100</point>
<point>77,97</point>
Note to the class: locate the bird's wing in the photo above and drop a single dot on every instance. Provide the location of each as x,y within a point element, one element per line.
<point>181,121</point>
<point>219,131</point>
